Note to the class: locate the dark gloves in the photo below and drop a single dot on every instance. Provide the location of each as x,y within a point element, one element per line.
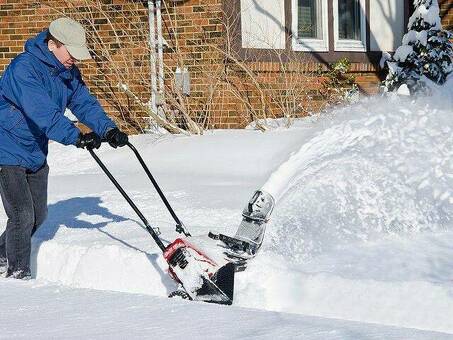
<point>88,141</point>
<point>116,138</point>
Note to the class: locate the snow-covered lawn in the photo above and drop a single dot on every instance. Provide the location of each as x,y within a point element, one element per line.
<point>362,231</point>
<point>38,310</point>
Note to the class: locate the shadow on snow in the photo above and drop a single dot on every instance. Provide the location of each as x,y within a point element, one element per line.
<point>67,213</point>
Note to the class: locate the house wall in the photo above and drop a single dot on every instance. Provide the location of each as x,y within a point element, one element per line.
<point>386,24</point>
<point>446,13</point>
<point>196,35</point>
<point>23,19</point>
<point>191,28</point>
<point>263,26</point>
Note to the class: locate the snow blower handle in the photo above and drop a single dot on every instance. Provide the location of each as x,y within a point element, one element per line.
<point>128,199</point>
<point>180,228</point>
<point>201,278</point>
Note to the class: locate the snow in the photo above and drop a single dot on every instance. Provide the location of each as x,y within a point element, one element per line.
<point>33,310</point>
<point>414,37</point>
<point>393,67</point>
<point>358,246</point>
<point>402,53</point>
<point>430,15</point>
<point>384,58</point>
<point>403,90</point>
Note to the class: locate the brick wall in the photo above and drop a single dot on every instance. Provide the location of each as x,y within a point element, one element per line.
<point>195,36</point>
<point>223,95</point>
<point>446,13</point>
<point>23,19</point>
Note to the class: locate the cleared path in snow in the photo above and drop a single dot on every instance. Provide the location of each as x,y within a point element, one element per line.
<point>33,311</point>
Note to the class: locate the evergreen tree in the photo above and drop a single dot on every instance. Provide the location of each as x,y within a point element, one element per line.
<point>426,51</point>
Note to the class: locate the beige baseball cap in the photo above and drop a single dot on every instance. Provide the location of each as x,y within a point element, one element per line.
<point>71,34</point>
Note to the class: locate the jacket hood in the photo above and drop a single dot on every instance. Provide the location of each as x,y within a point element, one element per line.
<point>38,47</point>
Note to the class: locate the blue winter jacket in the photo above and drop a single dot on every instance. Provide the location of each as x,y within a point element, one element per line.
<point>35,90</point>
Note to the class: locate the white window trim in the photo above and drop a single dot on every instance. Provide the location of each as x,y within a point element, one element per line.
<point>310,45</point>
<point>346,45</point>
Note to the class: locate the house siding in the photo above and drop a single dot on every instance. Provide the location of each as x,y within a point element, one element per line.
<point>387,21</point>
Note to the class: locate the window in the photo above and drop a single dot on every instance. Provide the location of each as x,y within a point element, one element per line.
<point>308,19</point>
<point>309,26</point>
<point>349,25</point>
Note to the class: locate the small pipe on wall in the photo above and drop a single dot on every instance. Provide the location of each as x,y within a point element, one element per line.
<point>153,60</point>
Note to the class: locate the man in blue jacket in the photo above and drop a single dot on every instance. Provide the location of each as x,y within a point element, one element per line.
<point>35,90</point>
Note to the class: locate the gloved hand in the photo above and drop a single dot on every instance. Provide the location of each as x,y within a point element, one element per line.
<point>116,138</point>
<point>88,141</point>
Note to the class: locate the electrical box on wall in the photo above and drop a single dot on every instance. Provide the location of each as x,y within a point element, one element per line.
<point>182,81</point>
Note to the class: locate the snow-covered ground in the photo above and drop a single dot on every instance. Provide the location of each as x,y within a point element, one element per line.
<point>38,310</point>
<point>362,231</point>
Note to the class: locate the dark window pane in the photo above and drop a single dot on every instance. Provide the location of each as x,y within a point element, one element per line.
<point>349,19</point>
<point>309,24</point>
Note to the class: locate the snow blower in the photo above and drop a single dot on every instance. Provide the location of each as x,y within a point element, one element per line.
<point>200,277</point>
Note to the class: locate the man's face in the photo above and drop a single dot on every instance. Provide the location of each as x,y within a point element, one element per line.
<point>62,54</point>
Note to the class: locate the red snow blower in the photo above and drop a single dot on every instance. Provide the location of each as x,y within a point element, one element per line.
<point>200,277</point>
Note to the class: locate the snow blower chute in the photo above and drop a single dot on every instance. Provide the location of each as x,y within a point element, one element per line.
<point>201,278</point>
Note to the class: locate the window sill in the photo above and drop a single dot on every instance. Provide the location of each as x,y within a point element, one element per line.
<point>310,45</point>
<point>349,46</point>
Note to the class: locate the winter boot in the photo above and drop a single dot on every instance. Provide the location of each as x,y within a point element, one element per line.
<point>3,266</point>
<point>18,274</point>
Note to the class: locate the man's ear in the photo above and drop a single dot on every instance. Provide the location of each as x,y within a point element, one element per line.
<point>51,45</point>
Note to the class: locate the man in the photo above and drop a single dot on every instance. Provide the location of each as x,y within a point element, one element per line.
<point>35,90</point>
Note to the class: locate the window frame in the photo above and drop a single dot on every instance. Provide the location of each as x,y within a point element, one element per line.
<point>349,45</point>
<point>310,44</point>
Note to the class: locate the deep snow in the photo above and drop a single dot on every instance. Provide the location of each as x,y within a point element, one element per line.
<point>362,229</point>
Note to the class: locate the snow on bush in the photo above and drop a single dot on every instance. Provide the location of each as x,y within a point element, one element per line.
<point>425,55</point>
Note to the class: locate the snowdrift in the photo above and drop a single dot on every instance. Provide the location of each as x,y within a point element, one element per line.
<point>364,220</point>
<point>373,169</point>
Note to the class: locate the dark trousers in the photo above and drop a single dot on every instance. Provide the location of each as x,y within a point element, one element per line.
<point>24,197</point>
